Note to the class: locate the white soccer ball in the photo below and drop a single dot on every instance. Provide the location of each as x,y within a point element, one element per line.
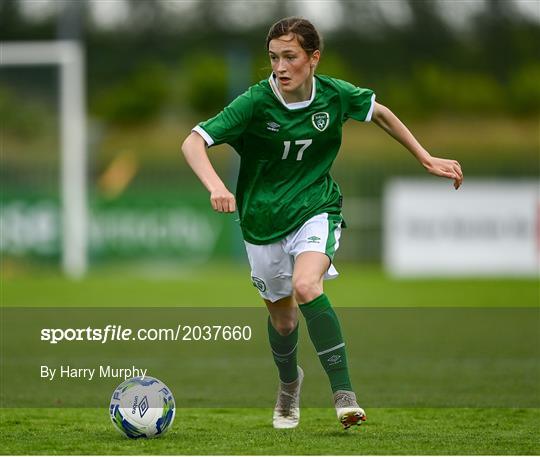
<point>142,407</point>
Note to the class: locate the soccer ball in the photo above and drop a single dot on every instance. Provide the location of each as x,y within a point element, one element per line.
<point>142,407</point>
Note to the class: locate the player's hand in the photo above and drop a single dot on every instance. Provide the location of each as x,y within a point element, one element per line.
<point>446,168</point>
<point>223,201</point>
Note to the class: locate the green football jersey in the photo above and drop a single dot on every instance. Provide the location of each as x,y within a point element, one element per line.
<point>286,152</point>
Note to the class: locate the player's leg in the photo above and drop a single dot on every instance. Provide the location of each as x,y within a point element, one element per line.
<point>312,265</point>
<point>283,336</point>
<point>321,319</point>
<point>271,273</point>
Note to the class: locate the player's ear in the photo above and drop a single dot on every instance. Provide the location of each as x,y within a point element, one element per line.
<point>315,57</point>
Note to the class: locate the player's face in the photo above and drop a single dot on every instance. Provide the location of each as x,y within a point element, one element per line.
<point>292,66</point>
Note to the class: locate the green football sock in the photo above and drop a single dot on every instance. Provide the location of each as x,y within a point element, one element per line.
<point>325,333</point>
<point>284,349</point>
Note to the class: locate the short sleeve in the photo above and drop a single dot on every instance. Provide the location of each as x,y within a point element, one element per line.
<point>358,102</point>
<point>228,125</point>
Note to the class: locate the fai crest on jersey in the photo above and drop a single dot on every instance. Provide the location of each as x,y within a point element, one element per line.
<point>320,121</point>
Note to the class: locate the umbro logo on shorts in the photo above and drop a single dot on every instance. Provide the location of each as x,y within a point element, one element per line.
<point>314,239</point>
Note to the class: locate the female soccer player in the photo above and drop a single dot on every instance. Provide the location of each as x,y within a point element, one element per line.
<point>287,131</point>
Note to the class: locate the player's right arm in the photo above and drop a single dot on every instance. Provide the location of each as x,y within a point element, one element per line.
<point>194,149</point>
<point>225,127</point>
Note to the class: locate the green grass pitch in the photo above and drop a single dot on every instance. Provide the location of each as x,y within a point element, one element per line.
<point>417,431</point>
<point>248,431</point>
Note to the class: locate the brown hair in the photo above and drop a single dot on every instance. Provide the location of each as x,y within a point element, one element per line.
<point>305,32</point>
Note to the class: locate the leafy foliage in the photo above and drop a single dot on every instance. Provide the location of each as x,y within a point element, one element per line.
<point>139,97</point>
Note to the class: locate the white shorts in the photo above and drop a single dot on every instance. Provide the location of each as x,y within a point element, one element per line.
<point>272,265</point>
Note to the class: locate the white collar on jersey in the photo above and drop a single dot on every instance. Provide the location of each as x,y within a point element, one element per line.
<point>295,105</point>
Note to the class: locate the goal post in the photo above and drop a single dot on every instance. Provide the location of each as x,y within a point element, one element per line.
<point>69,56</point>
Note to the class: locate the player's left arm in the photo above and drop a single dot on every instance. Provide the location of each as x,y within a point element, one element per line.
<point>389,122</point>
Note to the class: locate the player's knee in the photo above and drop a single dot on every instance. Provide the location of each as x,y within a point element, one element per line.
<point>306,289</point>
<point>285,326</point>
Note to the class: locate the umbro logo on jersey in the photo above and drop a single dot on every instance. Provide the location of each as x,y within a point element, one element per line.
<point>272,126</point>
<point>320,121</point>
